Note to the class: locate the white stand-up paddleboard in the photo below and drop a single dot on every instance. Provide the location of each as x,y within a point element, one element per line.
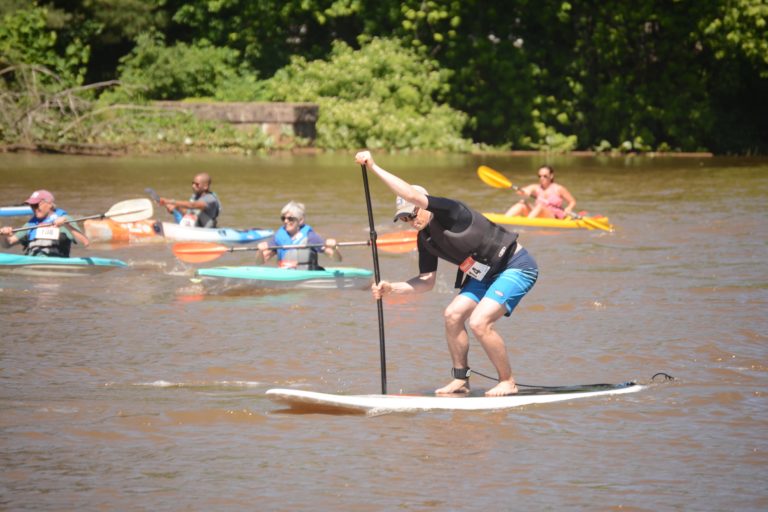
<point>312,401</point>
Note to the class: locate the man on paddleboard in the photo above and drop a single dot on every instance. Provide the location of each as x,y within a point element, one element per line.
<point>294,232</point>
<point>54,239</point>
<point>201,210</point>
<point>495,273</point>
<point>549,197</point>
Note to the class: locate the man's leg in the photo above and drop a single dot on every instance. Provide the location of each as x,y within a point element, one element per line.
<point>481,322</point>
<point>455,315</point>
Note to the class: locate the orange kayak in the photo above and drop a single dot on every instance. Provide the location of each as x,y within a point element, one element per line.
<point>107,230</point>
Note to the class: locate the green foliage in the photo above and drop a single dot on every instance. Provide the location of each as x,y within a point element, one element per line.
<point>154,130</point>
<point>37,106</point>
<point>741,27</point>
<point>175,72</point>
<point>382,96</point>
<point>26,38</point>
<point>628,75</point>
<point>267,33</point>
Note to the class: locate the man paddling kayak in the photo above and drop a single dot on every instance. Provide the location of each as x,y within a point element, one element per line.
<point>201,210</point>
<point>495,273</point>
<point>295,232</point>
<point>54,240</point>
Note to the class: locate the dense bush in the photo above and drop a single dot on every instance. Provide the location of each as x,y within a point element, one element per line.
<point>156,71</point>
<point>26,38</point>
<point>381,96</point>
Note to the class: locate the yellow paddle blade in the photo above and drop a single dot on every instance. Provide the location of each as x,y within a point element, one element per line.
<point>493,178</point>
<point>594,223</point>
<point>591,222</point>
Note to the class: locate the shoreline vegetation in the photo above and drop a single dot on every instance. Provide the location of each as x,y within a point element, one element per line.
<point>575,78</point>
<point>115,150</point>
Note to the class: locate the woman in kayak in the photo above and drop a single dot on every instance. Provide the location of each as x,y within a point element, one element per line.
<point>53,240</point>
<point>294,232</point>
<point>549,198</point>
<point>495,273</point>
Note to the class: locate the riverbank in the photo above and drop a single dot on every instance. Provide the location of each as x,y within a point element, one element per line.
<point>117,150</point>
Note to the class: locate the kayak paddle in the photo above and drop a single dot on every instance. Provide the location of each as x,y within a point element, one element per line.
<point>152,194</point>
<point>202,252</point>
<point>130,210</point>
<point>495,179</point>
<point>177,216</point>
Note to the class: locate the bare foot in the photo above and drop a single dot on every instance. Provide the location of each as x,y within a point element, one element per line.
<point>456,387</point>
<point>503,388</point>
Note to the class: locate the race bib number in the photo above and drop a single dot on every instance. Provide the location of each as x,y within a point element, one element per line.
<point>474,268</point>
<point>189,220</point>
<point>47,233</point>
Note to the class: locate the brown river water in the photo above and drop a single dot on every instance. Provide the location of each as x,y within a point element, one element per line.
<point>139,389</point>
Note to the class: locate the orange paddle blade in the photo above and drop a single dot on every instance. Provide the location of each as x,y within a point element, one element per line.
<point>199,252</point>
<point>493,178</point>
<point>397,243</point>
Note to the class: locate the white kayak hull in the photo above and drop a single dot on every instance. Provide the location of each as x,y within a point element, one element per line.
<point>178,233</point>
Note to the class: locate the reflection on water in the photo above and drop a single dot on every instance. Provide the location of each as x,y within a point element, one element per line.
<point>141,388</point>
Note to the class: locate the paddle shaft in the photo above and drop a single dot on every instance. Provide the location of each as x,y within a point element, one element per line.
<point>152,195</point>
<point>377,277</point>
<point>130,210</point>
<point>48,224</point>
<point>222,248</point>
<point>177,216</point>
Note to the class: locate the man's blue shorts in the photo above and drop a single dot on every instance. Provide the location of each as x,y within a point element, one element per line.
<point>507,289</point>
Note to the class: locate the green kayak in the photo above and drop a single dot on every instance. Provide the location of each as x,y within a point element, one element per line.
<point>53,266</point>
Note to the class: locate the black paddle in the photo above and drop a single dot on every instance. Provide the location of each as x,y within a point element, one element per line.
<point>177,216</point>
<point>152,194</point>
<point>377,277</point>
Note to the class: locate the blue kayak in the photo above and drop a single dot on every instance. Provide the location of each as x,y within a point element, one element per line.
<point>178,233</point>
<point>272,277</point>
<point>53,266</point>
<point>15,211</point>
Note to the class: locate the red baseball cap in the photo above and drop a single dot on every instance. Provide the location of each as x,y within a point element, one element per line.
<point>40,195</point>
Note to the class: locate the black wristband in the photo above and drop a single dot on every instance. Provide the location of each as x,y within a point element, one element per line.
<point>461,373</point>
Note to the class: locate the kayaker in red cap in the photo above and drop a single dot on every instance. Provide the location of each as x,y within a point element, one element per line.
<point>54,240</point>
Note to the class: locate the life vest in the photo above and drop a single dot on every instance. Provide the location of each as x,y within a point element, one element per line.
<point>49,240</point>
<point>295,258</point>
<point>483,241</point>
<point>196,217</point>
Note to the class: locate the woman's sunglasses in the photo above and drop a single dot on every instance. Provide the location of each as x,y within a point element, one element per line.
<point>288,218</point>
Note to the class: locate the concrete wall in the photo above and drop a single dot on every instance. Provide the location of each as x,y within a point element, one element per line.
<point>281,121</point>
